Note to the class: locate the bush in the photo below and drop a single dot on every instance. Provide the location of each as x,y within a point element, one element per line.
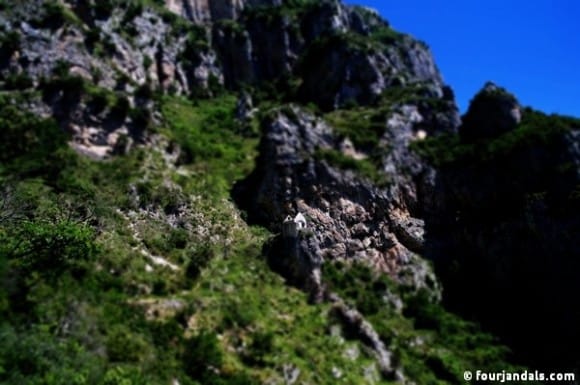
<point>195,44</point>
<point>363,167</point>
<point>144,91</point>
<point>98,101</point>
<point>51,248</point>
<point>260,348</point>
<point>364,127</point>
<point>9,43</point>
<point>387,35</point>
<point>103,9</point>
<point>147,62</point>
<point>134,9</point>
<point>26,140</point>
<point>202,356</point>
<point>71,87</point>
<point>18,82</point>
<point>125,346</point>
<point>141,118</point>
<point>54,16</point>
<point>124,375</point>
<point>198,259</point>
<point>178,239</point>
<point>120,110</point>
<point>239,315</point>
<point>92,37</point>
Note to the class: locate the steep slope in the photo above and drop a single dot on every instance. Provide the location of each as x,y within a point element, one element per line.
<point>504,230</point>
<point>132,266</point>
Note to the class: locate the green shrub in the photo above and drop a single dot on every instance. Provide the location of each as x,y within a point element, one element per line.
<point>9,43</point>
<point>92,37</point>
<point>124,375</point>
<point>239,315</point>
<point>363,167</point>
<point>51,248</point>
<point>141,118</point>
<point>198,259</point>
<point>260,349</point>
<point>125,346</point>
<point>178,238</point>
<point>536,128</point>
<point>133,10</point>
<point>120,110</point>
<point>147,62</point>
<point>202,356</point>
<point>144,91</point>
<point>71,87</point>
<point>387,35</point>
<point>26,141</point>
<point>18,82</point>
<point>364,127</point>
<point>54,16</point>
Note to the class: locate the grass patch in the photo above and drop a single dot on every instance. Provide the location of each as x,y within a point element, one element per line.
<point>363,126</point>
<point>363,167</point>
<point>213,143</point>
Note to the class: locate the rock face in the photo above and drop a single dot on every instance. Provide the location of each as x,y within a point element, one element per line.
<point>323,44</point>
<point>204,11</point>
<point>349,218</point>
<point>492,112</point>
<point>338,54</point>
<point>503,231</point>
<point>144,60</point>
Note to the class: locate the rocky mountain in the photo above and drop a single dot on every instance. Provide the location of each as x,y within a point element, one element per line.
<point>504,226</point>
<point>155,154</point>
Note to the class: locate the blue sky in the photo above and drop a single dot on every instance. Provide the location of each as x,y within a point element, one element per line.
<point>530,47</point>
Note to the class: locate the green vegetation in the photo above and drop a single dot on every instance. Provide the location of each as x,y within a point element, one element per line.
<point>269,15</point>
<point>139,270</point>
<point>26,140</point>
<point>363,126</point>
<point>9,43</point>
<point>77,290</point>
<point>535,128</point>
<point>72,270</point>
<point>270,325</point>
<point>18,82</point>
<point>387,36</point>
<point>77,303</point>
<point>54,15</point>
<point>363,167</point>
<point>432,345</point>
<point>211,140</point>
<point>195,44</point>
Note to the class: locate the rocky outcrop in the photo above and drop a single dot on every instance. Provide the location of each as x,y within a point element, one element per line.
<point>357,324</point>
<point>338,51</point>
<point>65,59</point>
<point>349,218</point>
<point>204,11</point>
<point>338,54</point>
<point>492,112</point>
<point>502,228</point>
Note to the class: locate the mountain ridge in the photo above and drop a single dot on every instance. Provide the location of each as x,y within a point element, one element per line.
<point>130,264</point>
